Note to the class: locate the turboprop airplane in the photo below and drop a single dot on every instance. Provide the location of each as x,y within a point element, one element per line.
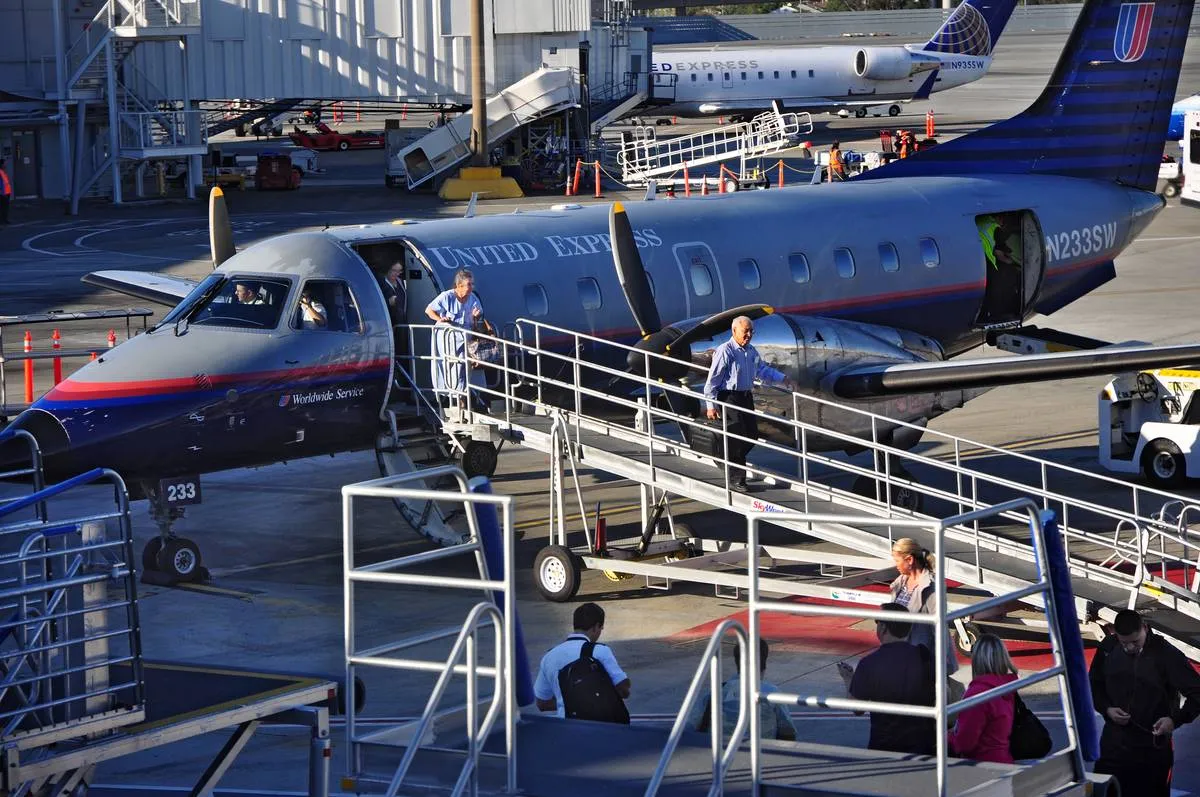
<point>712,81</point>
<point>877,286</point>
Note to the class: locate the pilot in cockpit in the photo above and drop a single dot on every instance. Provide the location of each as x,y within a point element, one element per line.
<point>247,293</point>
<point>312,312</point>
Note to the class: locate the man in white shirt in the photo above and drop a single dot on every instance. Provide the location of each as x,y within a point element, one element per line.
<point>589,623</point>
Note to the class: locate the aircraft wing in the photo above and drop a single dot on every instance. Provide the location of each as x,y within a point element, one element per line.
<point>152,287</point>
<point>927,377</point>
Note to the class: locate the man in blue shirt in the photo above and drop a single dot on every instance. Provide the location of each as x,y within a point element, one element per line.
<point>735,365</point>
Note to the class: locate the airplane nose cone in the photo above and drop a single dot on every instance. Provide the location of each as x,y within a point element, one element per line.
<point>33,429</point>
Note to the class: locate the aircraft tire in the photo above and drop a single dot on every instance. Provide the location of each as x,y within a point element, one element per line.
<point>861,113</point>
<point>894,110</point>
<point>683,533</point>
<point>150,554</point>
<point>557,574</point>
<point>180,559</point>
<point>1164,465</point>
<point>479,459</point>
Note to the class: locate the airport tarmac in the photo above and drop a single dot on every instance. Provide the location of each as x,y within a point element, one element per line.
<point>272,536</point>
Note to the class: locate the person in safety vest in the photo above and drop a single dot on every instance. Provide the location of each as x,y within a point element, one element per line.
<point>837,167</point>
<point>5,193</point>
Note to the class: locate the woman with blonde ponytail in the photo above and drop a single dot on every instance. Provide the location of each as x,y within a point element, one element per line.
<point>914,589</point>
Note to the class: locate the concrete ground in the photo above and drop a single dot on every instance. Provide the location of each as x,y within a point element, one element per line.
<point>272,536</point>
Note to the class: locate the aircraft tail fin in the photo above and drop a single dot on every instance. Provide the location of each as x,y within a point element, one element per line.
<point>1102,116</point>
<point>973,28</point>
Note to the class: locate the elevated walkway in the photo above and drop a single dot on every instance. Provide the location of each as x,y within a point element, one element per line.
<point>1127,545</point>
<point>644,156</point>
<point>545,92</point>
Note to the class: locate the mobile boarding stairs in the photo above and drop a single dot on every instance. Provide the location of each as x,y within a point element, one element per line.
<point>470,739</point>
<point>1127,545</point>
<point>644,156</point>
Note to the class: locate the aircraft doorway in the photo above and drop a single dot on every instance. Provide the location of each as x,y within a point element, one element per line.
<point>416,289</point>
<point>1013,258</point>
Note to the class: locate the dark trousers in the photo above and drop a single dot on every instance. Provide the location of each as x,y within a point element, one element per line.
<point>1142,773</point>
<point>4,199</point>
<point>739,423</point>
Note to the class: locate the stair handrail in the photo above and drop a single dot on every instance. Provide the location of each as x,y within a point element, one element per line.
<point>89,44</point>
<point>466,641</point>
<point>722,754</point>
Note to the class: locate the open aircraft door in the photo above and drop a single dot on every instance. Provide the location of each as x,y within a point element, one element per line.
<point>1013,251</point>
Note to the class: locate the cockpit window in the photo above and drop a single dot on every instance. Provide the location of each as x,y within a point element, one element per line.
<point>243,303</point>
<point>197,295</point>
<point>326,305</point>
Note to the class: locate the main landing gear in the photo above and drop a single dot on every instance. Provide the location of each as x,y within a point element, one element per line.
<point>169,559</point>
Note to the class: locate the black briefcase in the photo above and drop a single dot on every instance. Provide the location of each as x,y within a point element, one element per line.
<point>705,438</point>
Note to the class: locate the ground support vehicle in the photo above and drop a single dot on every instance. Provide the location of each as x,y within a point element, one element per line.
<point>326,138</point>
<point>1150,423</point>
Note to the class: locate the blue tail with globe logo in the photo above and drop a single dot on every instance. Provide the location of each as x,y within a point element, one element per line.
<point>973,28</point>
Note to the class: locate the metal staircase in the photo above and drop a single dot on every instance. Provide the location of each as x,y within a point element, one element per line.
<point>1127,545</point>
<point>644,156</point>
<point>142,123</point>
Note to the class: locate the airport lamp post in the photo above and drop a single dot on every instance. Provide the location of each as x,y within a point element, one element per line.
<point>479,143</point>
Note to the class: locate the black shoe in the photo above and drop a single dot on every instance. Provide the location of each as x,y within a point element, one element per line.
<point>741,486</point>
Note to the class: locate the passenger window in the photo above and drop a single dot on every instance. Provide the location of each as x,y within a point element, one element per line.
<point>930,255</point>
<point>793,73</point>
<point>727,78</point>
<point>743,76</point>
<point>777,74</point>
<point>843,260</point>
<point>760,75</point>
<point>748,270</point>
<point>889,259</point>
<point>536,303</point>
<point>701,279</point>
<point>693,77</point>
<point>1194,146</point>
<point>811,74</point>
<point>244,303</point>
<point>710,77</point>
<point>326,306</point>
<point>589,294</point>
<point>798,264</point>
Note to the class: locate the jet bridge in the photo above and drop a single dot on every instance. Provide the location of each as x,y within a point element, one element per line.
<point>1127,545</point>
<point>545,92</point>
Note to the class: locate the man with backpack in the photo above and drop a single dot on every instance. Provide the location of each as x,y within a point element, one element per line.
<point>581,679</point>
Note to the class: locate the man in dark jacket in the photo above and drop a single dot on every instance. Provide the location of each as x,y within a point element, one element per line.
<point>1137,679</point>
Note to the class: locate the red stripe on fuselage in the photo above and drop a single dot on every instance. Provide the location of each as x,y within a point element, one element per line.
<point>75,390</point>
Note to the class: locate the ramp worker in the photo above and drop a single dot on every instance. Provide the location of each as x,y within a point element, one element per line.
<point>837,167</point>
<point>5,192</point>
<point>735,364</point>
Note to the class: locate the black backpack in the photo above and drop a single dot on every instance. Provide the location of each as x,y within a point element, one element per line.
<point>588,691</point>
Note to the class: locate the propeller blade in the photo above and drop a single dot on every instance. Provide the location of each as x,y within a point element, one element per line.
<point>717,323</point>
<point>220,231</point>
<point>630,272</point>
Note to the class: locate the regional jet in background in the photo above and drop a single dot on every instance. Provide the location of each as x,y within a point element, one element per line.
<point>712,81</point>
<point>1175,129</point>
<point>974,236</point>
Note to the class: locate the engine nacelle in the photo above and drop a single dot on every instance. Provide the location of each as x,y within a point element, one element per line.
<point>814,351</point>
<point>890,63</point>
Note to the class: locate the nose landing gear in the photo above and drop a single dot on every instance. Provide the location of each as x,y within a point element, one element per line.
<point>168,559</point>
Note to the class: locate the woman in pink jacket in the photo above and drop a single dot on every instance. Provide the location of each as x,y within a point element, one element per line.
<point>982,732</point>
